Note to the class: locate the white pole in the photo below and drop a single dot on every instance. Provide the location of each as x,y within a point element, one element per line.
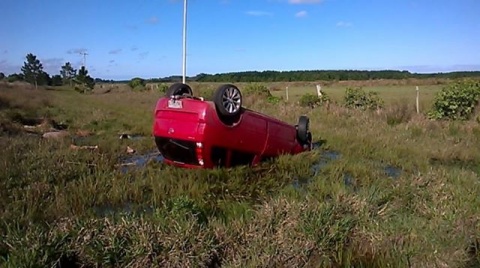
<point>287,93</point>
<point>319,91</point>
<point>184,66</point>
<point>417,104</point>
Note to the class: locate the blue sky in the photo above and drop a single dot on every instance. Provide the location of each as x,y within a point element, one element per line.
<point>143,38</point>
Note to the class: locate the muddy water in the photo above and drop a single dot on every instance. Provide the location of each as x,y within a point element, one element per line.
<point>329,156</point>
<point>139,160</point>
<point>392,172</point>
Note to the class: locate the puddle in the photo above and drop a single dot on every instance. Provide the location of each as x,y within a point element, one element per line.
<point>325,158</point>
<point>318,144</point>
<point>392,172</point>
<point>126,208</point>
<point>138,161</point>
<point>348,180</point>
<point>328,156</point>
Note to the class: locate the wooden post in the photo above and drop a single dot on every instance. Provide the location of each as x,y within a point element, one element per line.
<point>286,91</point>
<point>417,102</point>
<point>319,91</point>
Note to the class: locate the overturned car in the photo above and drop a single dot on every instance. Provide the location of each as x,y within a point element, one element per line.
<point>191,132</point>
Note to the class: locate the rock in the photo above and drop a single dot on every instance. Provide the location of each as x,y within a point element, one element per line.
<point>130,150</point>
<point>55,134</point>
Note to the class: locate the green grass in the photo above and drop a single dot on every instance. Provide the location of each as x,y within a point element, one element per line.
<point>75,207</point>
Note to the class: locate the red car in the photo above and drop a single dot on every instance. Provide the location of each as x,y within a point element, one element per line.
<point>193,133</point>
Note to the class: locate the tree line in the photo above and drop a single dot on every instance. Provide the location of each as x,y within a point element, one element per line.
<point>309,75</point>
<point>323,75</point>
<point>32,72</point>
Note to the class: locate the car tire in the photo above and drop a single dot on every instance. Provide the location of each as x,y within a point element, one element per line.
<point>303,129</point>
<point>228,100</point>
<point>178,89</point>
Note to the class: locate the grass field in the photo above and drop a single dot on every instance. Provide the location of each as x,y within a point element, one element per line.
<point>374,194</point>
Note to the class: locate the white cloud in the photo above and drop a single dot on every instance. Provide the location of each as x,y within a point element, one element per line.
<point>297,2</point>
<point>258,13</point>
<point>344,24</point>
<point>301,14</point>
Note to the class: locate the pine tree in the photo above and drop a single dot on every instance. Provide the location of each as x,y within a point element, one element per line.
<point>32,69</point>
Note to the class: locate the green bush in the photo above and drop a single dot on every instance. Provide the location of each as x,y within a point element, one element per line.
<point>162,88</point>
<point>456,101</point>
<point>311,100</point>
<point>359,99</point>
<point>137,84</point>
<point>274,99</point>
<point>257,90</point>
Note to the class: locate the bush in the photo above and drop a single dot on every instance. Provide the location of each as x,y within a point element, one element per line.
<point>137,84</point>
<point>311,100</point>
<point>162,88</point>
<point>257,90</point>
<point>399,112</point>
<point>359,99</point>
<point>456,101</point>
<point>274,99</point>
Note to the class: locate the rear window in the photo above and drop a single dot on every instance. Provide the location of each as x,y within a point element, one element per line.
<point>177,150</point>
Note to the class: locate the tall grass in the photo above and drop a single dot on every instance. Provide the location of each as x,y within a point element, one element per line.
<point>64,207</point>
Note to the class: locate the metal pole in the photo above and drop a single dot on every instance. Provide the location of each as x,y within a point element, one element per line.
<point>184,66</point>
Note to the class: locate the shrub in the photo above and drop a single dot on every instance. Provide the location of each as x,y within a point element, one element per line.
<point>456,101</point>
<point>399,112</point>
<point>274,99</point>
<point>258,92</point>
<point>162,88</point>
<point>359,99</point>
<point>137,84</point>
<point>311,100</point>
<point>257,89</point>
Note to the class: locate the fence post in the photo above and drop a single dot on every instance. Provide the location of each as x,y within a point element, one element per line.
<point>417,102</point>
<point>319,91</point>
<point>286,92</point>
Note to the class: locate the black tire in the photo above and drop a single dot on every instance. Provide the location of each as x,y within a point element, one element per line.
<point>303,129</point>
<point>178,89</point>
<point>228,100</point>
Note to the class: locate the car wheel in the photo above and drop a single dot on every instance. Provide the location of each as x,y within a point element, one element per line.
<point>228,100</point>
<point>178,89</point>
<point>303,128</point>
